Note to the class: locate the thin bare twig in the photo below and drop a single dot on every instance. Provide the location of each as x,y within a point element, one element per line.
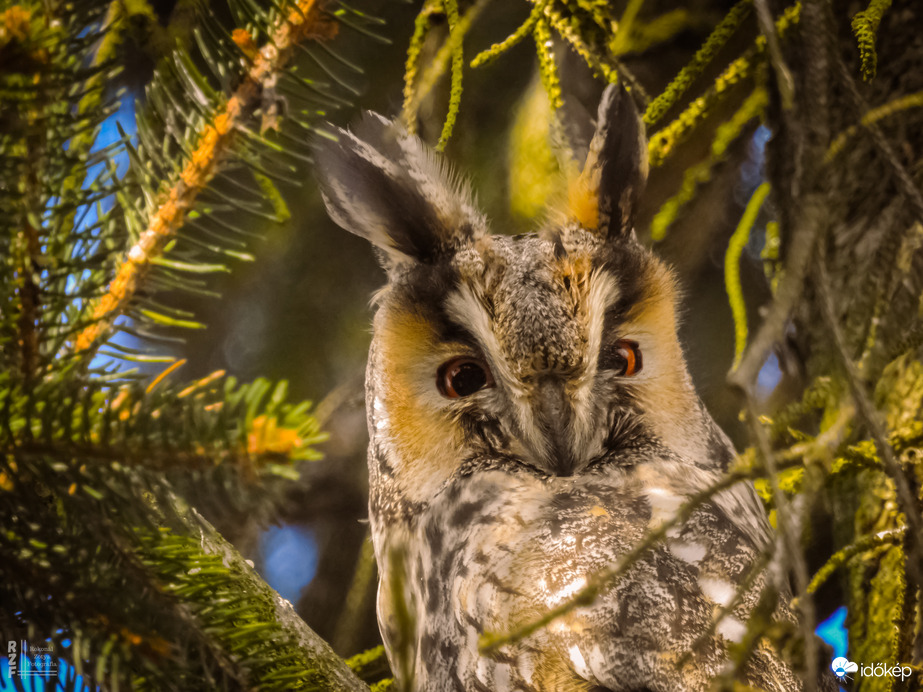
<point>789,522</point>
<point>784,79</point>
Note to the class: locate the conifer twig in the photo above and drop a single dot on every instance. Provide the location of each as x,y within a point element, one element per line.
<point>664,142</point>
<point>458,65</point>
<point>27,247</point>
<point>903,177</point>
<point>865,27</point>
<point>304,21</point>
<point>804,238</point>
<point>450,51</point>
<point>871,117</point>
<point>885,538</point>
<point>691,71</point>
<point>726,134</point>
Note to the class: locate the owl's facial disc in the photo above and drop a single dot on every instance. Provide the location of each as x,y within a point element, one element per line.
<point>556,360</point>
<point>552,325</point>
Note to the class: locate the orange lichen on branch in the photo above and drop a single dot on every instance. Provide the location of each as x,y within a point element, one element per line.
<point>149,644</point>
<point>305,21</point>
<point>245,42</point>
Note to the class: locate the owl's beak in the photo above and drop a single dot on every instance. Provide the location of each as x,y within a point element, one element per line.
<point>553,417</point>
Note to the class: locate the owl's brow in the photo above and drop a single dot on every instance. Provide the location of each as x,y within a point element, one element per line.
<point>427,299</point>
<point>455,333</point>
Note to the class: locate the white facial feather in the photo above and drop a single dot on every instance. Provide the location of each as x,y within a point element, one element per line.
<point>602,294</point>
<point>465,307</point>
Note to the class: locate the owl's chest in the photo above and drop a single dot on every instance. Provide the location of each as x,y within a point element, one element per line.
<point>504,548</point>
<point>501,550</point>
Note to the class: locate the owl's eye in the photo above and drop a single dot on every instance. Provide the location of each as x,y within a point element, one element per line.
<point>463,376</point>
<point>623,357</point>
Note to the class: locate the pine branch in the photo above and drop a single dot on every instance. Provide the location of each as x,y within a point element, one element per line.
<point>224,130</point>
<point>25,251</point>
<point>210,423</point>
<point>279,650</point>
<point>42,171</point>
<point>206,618</point>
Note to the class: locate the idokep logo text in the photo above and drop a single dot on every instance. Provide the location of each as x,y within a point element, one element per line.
<point>842,667</point>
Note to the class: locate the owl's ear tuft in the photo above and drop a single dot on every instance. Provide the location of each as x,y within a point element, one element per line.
<point>385,185</point>
<point>603,198</point>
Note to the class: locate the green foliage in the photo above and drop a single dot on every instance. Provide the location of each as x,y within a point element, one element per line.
<point>416,86</point>
<point>458,61</point>
<point>101,553</point>
<point>488,56</point>
<point>239,618</point>
<point>684,80</point>
<point>697,175</point>
<point>878,582</point>
<point>547,66</point>
<point>665,141</point>
<point>870,118</point>
<point>414,58</point>
<point>738,241</point>
<point>371,665</point>
<point>865,27</point>
<point>99,466</point>
<point>844,555</point>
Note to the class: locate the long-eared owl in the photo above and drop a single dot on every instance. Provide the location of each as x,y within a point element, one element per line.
<point>531,420</point>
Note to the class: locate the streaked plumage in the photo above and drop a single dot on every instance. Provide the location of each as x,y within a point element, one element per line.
<point>491,507</point>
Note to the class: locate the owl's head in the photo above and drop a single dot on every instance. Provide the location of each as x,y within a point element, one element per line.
<point>550,352</point>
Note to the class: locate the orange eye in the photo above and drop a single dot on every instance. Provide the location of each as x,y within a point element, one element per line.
<point>623,357</point>
<point>462,377</point>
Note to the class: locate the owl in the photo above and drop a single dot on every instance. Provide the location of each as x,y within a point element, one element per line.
<point>531,420</point>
